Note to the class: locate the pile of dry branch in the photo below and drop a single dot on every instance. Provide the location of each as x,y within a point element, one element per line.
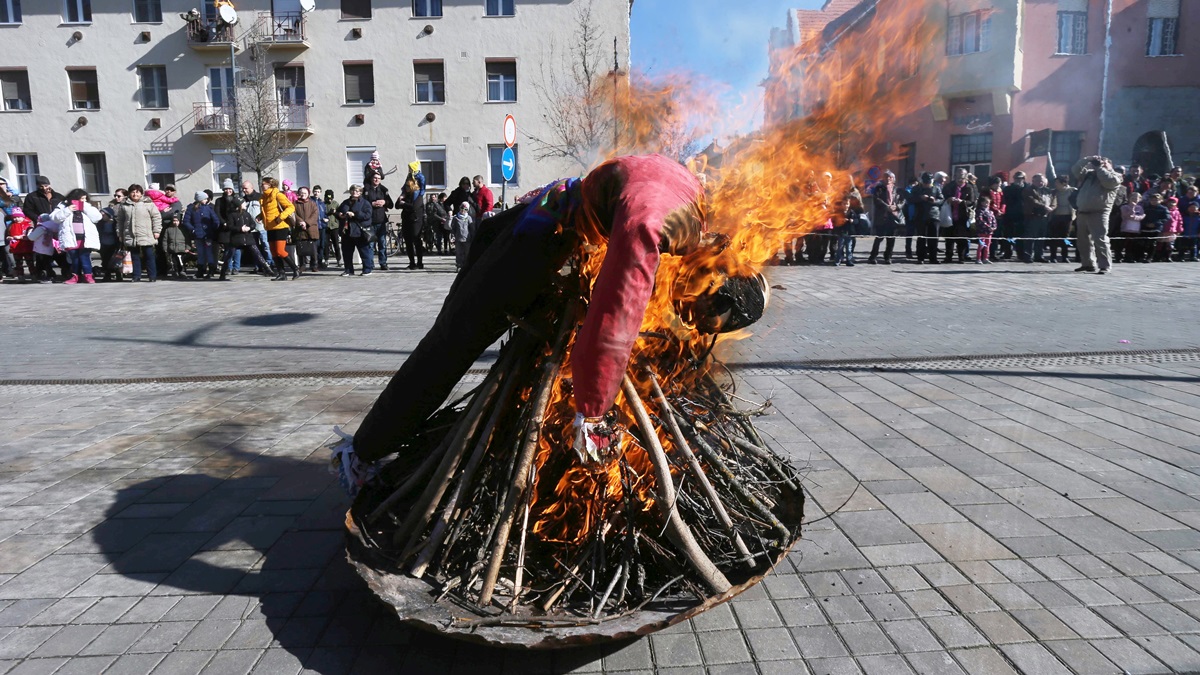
<point>492,508</point>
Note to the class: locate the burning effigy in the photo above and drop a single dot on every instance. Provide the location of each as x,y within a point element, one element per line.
<point>606,479</point>
<point>602,481</point>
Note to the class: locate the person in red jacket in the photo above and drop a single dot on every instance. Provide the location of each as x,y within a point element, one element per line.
<point>639,207</point>
<point>483,199</point>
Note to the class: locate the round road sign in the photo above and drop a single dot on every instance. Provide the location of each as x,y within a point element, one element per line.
<point>508,163</point>
<point>510,130</point>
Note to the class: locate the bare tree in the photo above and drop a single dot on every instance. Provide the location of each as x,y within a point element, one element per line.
<point>578,93</point>
<point>259,122</point>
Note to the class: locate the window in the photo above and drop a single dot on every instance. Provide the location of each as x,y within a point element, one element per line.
<point>496,173</point>
<point>25,170</point>
<point>356,159</point>
<point>1066,147</point>
<point>433,165</point>
<point>220,87</point>
<point>426,7</point>
<point>968,33</point>
<point>224,168</point>
<point>85,95</point>
<point>153,80</point>
<point>289,84</point>
<point>10,11</point>
<point>356,9</point>
<point>14,85</point>
<point>293,166</point>
<point>431,82</point>
<point>500,7</point>
<point>147,11</point>
<point>160,168</point>
<point>502,81</point>
<point>972,152</point>
<point>1162,38</point>
<point>360,83</point>
<point>77,11</point>
<point>1072,33</point>
<point>93,172</point>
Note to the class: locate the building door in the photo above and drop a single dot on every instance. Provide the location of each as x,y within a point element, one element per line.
<point>220,87</point>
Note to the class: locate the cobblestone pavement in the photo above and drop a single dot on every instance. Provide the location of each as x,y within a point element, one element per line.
<point>1035,514</point>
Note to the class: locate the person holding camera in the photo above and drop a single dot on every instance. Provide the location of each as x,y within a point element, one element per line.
<point>1096,191</point>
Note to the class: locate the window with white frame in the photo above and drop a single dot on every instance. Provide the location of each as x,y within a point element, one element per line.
<point>224,167</point>
<point>502,81</point>
<point>1162,31</point>
<point>77,11</point>
<point>14,88</point>
<point>153,82</point>
<point>147,11</point>
<point>501,7</point>
<point>428,8</point>
<point>968,33</point>
<point>357,158</point>
<point>10,11</point>
<point>85,94</point>
<point>430,77</point>
<point>496,171</point>
<point>220,87</point>
<point>972,152</point>
<point>1066,147</point>
<point>360,83</point>
<point>160,168</point>
<point>93,172</point>
<point>25,171</point>
<point>1072,33</point>
<point>433,165</point>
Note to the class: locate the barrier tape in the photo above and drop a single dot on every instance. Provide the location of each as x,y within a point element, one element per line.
<point>994,238</point>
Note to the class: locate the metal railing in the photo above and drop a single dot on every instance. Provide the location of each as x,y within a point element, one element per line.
<point>203,32</point>
<point>281,27</point>
<point>208,118</point>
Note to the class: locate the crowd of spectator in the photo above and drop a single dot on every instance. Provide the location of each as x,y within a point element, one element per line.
<point>279,230</point>
<point>1147,218</point>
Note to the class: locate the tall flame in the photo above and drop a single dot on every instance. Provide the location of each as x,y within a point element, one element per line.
<point>866,75</point>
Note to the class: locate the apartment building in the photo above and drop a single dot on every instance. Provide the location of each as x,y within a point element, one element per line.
<point>1114,77</point>
<point>102,93</point>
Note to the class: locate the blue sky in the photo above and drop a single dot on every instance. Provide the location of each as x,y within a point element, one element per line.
<point>718,39</point>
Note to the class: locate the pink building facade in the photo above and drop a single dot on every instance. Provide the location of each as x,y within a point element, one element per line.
<point>1104,76</point>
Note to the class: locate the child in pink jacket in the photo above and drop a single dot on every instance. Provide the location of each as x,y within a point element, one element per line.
<point>162,201</point>
<point>1171,230</point>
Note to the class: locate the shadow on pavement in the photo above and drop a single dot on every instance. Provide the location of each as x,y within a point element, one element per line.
<point>270,529</point>
<point>801,367</point>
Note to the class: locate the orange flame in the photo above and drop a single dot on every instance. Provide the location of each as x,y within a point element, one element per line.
<point>863,77</point>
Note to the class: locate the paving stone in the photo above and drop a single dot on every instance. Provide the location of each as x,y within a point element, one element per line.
<point>722,647</point>
<point>22,642</point>
<point>955,631</point>
<point>934,663</point>
<point>818,642</point>
<point>865,639</point>
<point>68,642</point>
<point>116,640</point>
<point>677,650</point>
<point>232,662</point>
<point>771,644</point>
<point>1034,658</point>
<point>1129,656</point>
<point>912,636</point>
<point>1170,651</point>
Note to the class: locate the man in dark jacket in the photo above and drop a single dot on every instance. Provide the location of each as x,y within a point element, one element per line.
<point>962,196</point>
<point>354,216</point>
<point>377,195</point>
<point>42,200</point>
<point>1013,222</point>
<point>928,201</point>
<point>435,222</point>
<point>1037,205</point>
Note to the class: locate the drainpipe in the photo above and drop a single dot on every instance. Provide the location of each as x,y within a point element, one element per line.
<point>1108,11</point>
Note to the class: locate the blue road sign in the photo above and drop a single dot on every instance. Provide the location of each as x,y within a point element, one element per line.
<point>508,164</point>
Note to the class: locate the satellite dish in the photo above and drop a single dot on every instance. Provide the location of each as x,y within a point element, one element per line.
<point>228,15</point>
<point>307,6</point>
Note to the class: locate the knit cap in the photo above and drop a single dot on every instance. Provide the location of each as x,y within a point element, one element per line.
<point>201,195</point>
<point>227,185</point>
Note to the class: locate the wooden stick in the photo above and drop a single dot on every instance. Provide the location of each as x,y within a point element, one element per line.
<point>765,456</point>
<point>520,573</point>
<point>608,591</point>
<point>423,509</point>
<point>706,486</point>
<point>442,524</point>
<point>411,482</point>
<point>550,368</point>
<point>736,485</point>
<point>677,531</point>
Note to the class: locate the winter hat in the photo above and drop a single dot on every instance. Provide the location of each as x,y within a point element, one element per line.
<point>42,180</point>
<point>228,184</point>
<point>18,212</point>
<point>375,156</point>
<point>287,184</point>
<point>201,195</point>
<point>415,167</point>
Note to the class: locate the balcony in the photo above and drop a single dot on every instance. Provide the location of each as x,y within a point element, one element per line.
<point>282,30</point>
<point>209,37</point>
<point>289,118</point>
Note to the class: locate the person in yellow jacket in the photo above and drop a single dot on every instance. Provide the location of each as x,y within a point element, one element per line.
<point>276,210</point>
